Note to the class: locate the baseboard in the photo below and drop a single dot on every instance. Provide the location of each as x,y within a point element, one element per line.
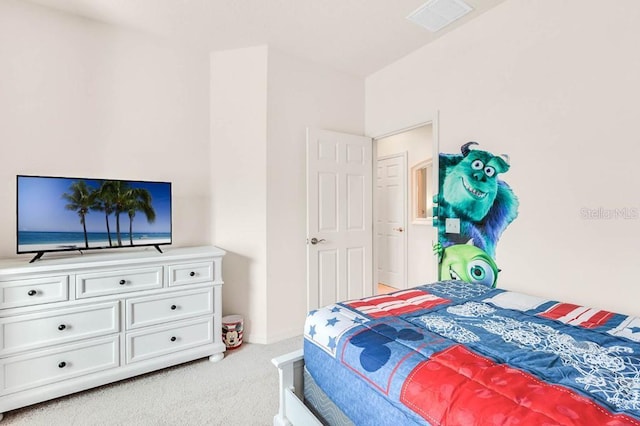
<point>273,337</point>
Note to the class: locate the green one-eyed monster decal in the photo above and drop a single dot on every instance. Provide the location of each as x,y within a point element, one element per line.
<point>467,263</point>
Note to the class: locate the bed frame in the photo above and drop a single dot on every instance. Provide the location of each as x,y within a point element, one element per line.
<point>292,410</point>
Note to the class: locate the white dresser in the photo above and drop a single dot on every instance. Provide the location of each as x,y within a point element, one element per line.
<point>72,323</point>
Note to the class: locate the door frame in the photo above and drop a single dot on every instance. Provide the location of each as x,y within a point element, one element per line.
<point>432,120</point>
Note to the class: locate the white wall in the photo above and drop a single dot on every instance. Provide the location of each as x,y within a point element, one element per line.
<point>418,144</point>
<point>301,94</point>
<point>239,167</point>
<point>554,85</point>
<point>83,99</point>
<point>262,100</point>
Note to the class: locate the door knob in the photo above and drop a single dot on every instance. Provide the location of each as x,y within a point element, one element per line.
<point>315,241</point>
<point>398,229</point>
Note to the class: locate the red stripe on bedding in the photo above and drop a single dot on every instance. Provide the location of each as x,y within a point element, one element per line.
<point>601,317</point>
<point>401,302</point>
<point>559,310</point>
<point>577,315</point>
<point>459,387</point>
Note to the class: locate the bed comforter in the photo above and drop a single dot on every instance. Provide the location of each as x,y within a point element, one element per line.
<point>453,353</point>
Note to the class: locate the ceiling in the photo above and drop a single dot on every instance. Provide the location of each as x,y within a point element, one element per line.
<point>354,36</point>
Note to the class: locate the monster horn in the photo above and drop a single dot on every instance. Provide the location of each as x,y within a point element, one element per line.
<point>465,148</point>
<point>505,157</point>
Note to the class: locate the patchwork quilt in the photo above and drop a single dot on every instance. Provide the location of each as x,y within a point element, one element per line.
<point>454,353</point>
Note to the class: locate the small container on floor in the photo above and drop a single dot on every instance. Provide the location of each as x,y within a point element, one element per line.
<point>232,328</point>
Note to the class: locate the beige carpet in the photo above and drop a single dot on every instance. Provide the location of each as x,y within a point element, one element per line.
<point>239,390</point>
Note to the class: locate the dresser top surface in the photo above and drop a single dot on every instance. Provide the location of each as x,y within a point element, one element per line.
<point>74,260</point>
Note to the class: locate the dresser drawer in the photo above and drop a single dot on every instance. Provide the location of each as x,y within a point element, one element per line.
<point>144,311</point>
<point>120,281</point>
<point>190,273</point>
<point>22,332</point>
<point>163,340</point>
<point>44,367</point>
<point>34,291</point>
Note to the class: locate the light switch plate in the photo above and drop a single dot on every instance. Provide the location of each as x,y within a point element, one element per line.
<point>452,225</point>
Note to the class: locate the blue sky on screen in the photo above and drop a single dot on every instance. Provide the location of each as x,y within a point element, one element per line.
<point>41,207</point>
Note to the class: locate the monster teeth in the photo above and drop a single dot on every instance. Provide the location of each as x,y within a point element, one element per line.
<point>453,274</point>
<point>474,191</point>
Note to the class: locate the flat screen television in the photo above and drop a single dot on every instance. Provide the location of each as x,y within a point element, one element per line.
<point>65,213</point>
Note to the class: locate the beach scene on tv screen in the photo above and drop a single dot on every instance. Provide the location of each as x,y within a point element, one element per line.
<point>74,214</point>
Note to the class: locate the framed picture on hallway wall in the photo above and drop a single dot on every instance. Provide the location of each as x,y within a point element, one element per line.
<point>422,194</point>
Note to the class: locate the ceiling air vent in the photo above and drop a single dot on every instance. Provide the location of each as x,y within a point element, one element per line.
<point>437,14</point>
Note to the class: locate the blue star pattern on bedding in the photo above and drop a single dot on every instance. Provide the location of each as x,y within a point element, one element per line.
<point>326,325</point>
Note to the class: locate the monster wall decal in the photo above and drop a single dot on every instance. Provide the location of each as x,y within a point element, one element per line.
<point>485,205</point>
<point>468,263</point>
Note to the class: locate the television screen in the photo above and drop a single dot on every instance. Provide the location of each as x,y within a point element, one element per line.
<point>63,213</point>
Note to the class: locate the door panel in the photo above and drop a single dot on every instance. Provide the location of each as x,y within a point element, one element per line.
<point>327,276</point>
<point>356,203</point>
<point>328,202</point>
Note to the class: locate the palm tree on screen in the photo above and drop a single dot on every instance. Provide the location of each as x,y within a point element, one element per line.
<point>105,202</point>
<point>139,201</point>
<point>119,191</point>
<point>129,200</point>
<point>81,199</point>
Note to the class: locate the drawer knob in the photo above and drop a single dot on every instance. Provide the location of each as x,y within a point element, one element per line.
<point>32,292</point>
<point>192,274</point>
<point>62,364</point>
<point>174,307</point>
<point>122,282</point>
<point>173,338</point>
<point>62,327</point>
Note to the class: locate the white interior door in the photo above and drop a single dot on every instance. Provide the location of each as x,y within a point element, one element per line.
<point>339,217</point>
<point>391,220</point>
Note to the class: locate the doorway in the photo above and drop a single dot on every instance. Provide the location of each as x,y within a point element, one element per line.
<point>391,219</point>
<point>403,255</point>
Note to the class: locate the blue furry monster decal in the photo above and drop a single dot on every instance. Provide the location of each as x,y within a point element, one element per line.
<point>471,191</point>
<point>376,353</point>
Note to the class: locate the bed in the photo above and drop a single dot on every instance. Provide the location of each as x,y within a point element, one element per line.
<point>453,353</point>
